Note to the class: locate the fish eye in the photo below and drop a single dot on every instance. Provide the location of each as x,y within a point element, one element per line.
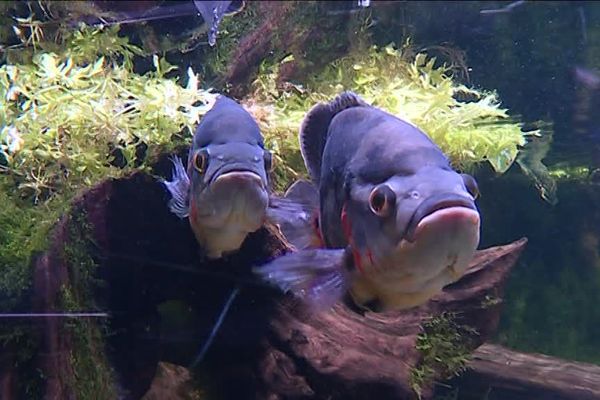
<point>200,161</point>
<point>382,200</point>
<point>269,162</point>
<point>471,185</point>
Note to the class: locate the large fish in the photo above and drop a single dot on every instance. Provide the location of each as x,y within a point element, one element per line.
<point>224,192</point>
<point>397,223</point>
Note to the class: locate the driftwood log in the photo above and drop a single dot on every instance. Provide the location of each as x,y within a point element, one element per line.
<point>290,28</point>
<point>496,372</point>
<point>163,299</point>
<point>344,355</point>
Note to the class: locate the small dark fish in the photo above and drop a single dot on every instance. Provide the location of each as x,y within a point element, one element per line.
<point>504,10</point>
<point>213,12</point>
<point>395,222</point>
<point>590,79</point>
<point>122,12</point>
<point>224,192</point>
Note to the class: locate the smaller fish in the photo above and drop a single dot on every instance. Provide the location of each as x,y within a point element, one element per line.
<point>224,191</point>
<point>385,218</point>
<point>213,12</point>
<point>504,10</point>
<point>590,79</point>
<point>123,12</point>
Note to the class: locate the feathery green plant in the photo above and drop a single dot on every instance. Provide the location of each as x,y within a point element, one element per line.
<point>468,124</point>
<point>62,116</point>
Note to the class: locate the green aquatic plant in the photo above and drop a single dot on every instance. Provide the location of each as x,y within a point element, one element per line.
<point>443,345</point>
<point>530,160</point>
<point>566,172</point>
<point>94,377</point>
<point>65,117</point>
<point>468,124</point>
<point>23,232</point>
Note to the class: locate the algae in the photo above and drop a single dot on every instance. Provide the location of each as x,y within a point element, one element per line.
<point>23,235</point>
<point>444,348</point>
<point>93,376</point>
<point>23,232</point>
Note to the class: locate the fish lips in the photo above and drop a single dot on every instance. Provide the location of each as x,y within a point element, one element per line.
<point>239,173</point>
<point>234,193</point>
<point>239,176</point>
<point>436,203</point>
<point>236,181</point>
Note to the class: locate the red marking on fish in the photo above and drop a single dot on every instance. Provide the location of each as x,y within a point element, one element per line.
<point>370,255</point>
<point>317,231</point>
<point>357,259</point>
<point>347,228</point>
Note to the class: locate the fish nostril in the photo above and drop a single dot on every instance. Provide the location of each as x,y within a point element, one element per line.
<point>414,194</point>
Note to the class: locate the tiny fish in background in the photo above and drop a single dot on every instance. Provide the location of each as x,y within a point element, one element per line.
<point>224,192</point>
<point>587,77</point>
<point>213,12</point>
<point>395,222</point>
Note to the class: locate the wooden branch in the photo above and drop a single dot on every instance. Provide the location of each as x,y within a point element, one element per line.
<point>500,373</point>
<point>344,355</point>
<point>255,46</point>
<point>268,344</point>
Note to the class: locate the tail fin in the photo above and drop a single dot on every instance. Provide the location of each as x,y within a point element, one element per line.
<point>313,132</point>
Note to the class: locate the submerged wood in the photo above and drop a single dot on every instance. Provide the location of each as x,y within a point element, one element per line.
<point>343,355</point>
<point>255,47</point>
<point>500,373</point>
<point>269,346</point>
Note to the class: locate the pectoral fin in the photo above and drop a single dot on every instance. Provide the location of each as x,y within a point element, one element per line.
<point>179,188</point>
<point>296,214</point>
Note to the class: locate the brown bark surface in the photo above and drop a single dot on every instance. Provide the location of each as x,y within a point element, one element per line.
<point>342,354</point>
<point>501,373</point>
<point>268,345</point>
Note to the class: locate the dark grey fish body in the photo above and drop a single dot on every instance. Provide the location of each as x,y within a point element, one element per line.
<point>224,191</point>
<point>403,221</point>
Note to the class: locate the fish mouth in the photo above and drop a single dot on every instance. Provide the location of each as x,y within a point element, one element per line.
<point>241,176</point>
<point>460,206</point>
<point>234,198</point>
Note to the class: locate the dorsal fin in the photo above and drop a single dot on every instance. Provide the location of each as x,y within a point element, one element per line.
<point>313,132</point>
